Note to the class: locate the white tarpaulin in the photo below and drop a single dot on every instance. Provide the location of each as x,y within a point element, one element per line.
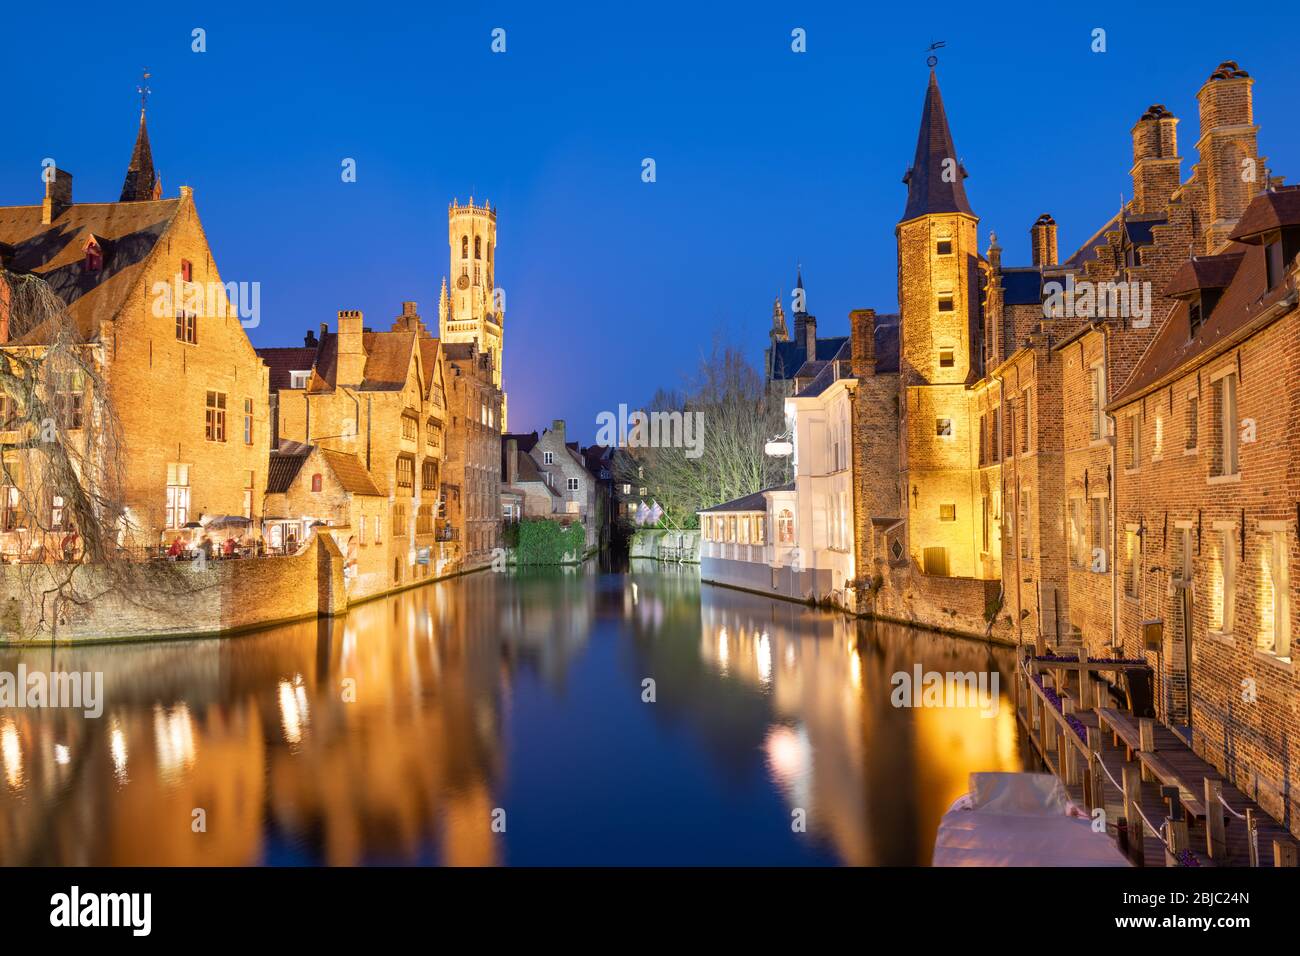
<point>1020,819</point>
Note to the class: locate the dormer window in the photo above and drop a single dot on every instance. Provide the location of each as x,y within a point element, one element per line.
<point>1200,307</point>
<point>94,257</point>
<point>1274,260</point>
<point>298,379</point>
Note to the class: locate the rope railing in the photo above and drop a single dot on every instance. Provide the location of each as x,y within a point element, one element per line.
<point>1239,816</point>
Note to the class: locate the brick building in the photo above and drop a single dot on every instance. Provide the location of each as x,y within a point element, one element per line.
<point>1208,496</point>
<point>378,397</point>
<point>471,487</point>
<point>142,287</point>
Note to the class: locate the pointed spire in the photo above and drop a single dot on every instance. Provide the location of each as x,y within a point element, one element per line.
<point>934,183</point>
<point>141,181</point>
<point>779,332</point>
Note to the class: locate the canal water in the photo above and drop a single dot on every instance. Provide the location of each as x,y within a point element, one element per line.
<point>505,719</point>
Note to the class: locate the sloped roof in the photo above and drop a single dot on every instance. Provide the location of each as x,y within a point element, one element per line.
<point>1022,286</point>
<point>1204,272</point>
<point>752,502</point>
<point>934,183</point>
<point>527,440</point>
<point>887,344</point>
<point>1271,210</point>
<point>285,463</point>
<point>350,472</point>
<point>829,373</point>
<point>127,233</point>
<point>1244,300</point>
<point>790,356</point>
<point>282,361</point>
<point>388,360</point>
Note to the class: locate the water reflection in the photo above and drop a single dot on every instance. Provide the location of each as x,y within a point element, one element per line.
<point>498,719</point>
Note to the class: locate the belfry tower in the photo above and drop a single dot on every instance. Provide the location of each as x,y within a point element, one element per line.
<point>471,309</point>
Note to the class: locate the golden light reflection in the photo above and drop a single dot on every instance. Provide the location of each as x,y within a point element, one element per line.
<point>173,734</point>
<point>723,653</point>
<point>11,753</point>
<point>763,653</point>
<point>117,748</point>
<point>294,711</point>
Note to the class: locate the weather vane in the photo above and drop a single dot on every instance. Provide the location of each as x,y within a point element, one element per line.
<point>143,88</point>
<point>932,60</point>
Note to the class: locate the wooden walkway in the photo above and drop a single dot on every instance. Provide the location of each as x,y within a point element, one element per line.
<point>1141,773</point>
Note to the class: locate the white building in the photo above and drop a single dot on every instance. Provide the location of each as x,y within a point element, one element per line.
<point>795,540</point>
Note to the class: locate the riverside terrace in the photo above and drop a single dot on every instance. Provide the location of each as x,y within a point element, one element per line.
<point>1163,805</point>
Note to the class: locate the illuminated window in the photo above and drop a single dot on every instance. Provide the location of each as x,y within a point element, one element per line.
<point>178,496</point>
<point>1133,440</point>
<point>1223,580</point>
<point>947,357</point>
<point>1158,446</point>
<point>1224,461</point>
<point>1099,526</point>
<point>1275,594</point>
<point>1132,560</point>
<point>214,422</point>
<point>785,527</point>
<point>1078,534</point>
<point>1097,389</point>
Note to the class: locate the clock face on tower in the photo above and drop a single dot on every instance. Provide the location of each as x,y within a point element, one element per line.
<point>462,282</point>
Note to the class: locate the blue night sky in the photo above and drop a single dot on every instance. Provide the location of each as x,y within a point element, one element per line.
<point>614,286</point>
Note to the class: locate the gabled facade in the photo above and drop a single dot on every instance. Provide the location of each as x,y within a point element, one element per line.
<point>143,289</point>
<point>377,396</point>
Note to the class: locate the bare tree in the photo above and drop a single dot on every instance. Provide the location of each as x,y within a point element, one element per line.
<point>62,507</point>
<point>736,416</point>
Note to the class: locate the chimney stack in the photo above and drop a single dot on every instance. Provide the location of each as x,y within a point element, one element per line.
<point>351,363</point>
<point>309,340</point>
<point>862,341</point>
<point>58,194</point>
<point>1042,237</point>
<point>512,461</point>
<point>1229,162</point>
<point>1156,165</point>
<point>557,428</point>
<point>810,336</point>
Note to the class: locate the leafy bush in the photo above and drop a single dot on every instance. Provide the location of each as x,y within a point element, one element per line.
<point>542,541</point>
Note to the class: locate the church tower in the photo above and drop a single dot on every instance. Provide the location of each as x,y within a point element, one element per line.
<point>469,309</point>
<point>939,304</point>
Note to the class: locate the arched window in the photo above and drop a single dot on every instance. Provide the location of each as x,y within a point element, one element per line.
<point>315,482</point>
<point>464,247</point>
<point>478,247</point>
<point>785,527</point>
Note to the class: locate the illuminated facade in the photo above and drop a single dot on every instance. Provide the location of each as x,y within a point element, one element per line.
<point>472,309</point>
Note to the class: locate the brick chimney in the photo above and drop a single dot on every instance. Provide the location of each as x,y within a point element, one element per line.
<point>1042,237</point>
<point>512,461</point>
<point>810,336</point>
<point>1229,163</point>
<point>557,429</point>
<point>58,194</point>
<point>862,341</point>
<point>1156,166</point>
<point>351,368</point>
